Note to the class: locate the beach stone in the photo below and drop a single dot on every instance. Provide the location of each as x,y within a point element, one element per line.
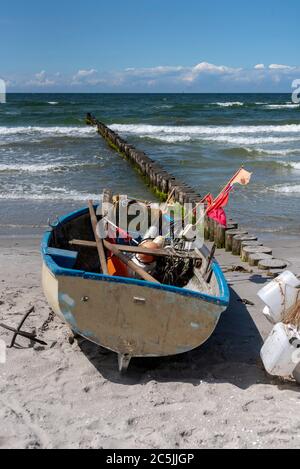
<point>228,238</point>
<point>247,250</point>
<point>237,242</point>
<point>254,259</point>
<point>269,264</point>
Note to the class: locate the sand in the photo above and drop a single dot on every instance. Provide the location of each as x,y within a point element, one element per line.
<point>72,396</point>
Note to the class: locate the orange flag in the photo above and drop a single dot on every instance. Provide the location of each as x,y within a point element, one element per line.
<point>243,177</point>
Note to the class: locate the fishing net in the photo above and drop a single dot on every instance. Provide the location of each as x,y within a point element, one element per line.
<point>293,315</point>
<point>174,270</point>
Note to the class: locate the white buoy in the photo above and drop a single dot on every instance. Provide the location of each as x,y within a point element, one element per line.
<point>296,374</point>
<point>281,352</point>
<point>280,295</point>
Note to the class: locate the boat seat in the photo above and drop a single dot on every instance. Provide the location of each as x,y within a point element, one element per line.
<point>63,258</point>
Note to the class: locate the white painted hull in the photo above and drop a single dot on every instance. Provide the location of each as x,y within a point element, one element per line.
<point>128,319</point>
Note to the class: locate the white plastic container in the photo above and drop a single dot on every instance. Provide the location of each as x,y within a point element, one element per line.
<point>268,314</point>
<point>296,374</point>
<point>281,351</point>
<point>280,295</point>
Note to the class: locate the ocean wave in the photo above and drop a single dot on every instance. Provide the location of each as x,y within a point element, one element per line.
<point>286,189</point>
<point>147,129</point>
<point>230,104</point>
<point>41,192</point>
<point>169,138</point>
<point>164,106</point>
<point>38,168</point>
<point>53,103</point>
<point>264,151</point>
<point>226,139</point>
<point>292,164</point>
<point>282,106</point>
<point>250,140</point>
<point>48,131</point>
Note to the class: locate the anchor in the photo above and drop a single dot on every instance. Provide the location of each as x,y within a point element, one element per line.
<point>17,331</point>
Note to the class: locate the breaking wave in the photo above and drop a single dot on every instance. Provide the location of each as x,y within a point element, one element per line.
<point>230,104</point>
<point>49,131</point>
<point>44,192</point>
<point>38,168</point>
<point>286,189</point>
<point>142,129</point>
<point>236,135</point>
<point>262,151</point>
<point>282,106</point>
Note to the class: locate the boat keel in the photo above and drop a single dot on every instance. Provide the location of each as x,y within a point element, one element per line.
<point>124,361</point>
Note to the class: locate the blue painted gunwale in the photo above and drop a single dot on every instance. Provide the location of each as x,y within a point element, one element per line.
<point>222,300</point>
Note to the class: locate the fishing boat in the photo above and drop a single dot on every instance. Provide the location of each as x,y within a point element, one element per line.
<point>134,315</point>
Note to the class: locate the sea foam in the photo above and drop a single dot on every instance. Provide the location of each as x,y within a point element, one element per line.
<point>142,129</point>
<point>286,189</point>
<point>53,131</point>
<point>44,192</point>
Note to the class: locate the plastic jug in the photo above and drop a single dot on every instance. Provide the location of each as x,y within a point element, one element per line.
<point>281,352</point>
<point>280,295</point>
<point>296,374</point>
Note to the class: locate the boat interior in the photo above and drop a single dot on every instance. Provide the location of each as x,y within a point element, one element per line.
<point>194,274</point>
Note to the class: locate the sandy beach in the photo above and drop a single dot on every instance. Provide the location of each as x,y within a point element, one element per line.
<point>72,396</point>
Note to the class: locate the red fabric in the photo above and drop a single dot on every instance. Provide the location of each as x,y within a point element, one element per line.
<point>209,199</point>
<point>219,215</point>
<point>222,200</point>
<point>216,212</point>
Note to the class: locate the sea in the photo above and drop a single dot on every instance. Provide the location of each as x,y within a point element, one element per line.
<point>51,162</point>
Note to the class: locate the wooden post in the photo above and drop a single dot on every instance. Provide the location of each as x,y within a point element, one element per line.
<point>220,238</point>
<point>211,229</point>
<point>228,238</point>
<point>237,243</point>
<point>206,228</point>
<point>248,250</point>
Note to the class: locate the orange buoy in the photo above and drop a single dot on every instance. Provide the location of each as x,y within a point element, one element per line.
<point>145,258</point>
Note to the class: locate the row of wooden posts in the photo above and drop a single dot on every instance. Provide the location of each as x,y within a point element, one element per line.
<point>158,179</point>
<point>163,183</point>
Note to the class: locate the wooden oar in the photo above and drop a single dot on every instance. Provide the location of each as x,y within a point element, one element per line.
<point>99,242</point>
<point>208,270</point>
<point>114,249</point>
<point>141,250</point>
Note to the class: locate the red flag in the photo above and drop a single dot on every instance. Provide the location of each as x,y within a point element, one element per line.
<point>209,199</point>
<point>219,215</point>
<point>215,211</point>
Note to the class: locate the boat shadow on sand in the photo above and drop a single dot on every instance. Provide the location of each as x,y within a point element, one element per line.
<point>231,355</point>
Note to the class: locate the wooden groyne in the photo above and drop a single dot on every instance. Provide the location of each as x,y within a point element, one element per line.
<point>159,180</point>
<point>162,184</point>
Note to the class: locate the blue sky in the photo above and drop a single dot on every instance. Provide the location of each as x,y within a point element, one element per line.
<point>150,45</point>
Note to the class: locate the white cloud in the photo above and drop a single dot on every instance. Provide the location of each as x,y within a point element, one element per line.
<point>86,73</point>
<point>153,71</point>
<point>260,67</point>
<point>84,76</point>
<point>203,76</point>
<point>211,68</point>
<point>280,67</point>
<point>208,68</point>
<point>41,80</point>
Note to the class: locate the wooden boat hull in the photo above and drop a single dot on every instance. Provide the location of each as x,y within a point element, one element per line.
<point>131,317</point>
